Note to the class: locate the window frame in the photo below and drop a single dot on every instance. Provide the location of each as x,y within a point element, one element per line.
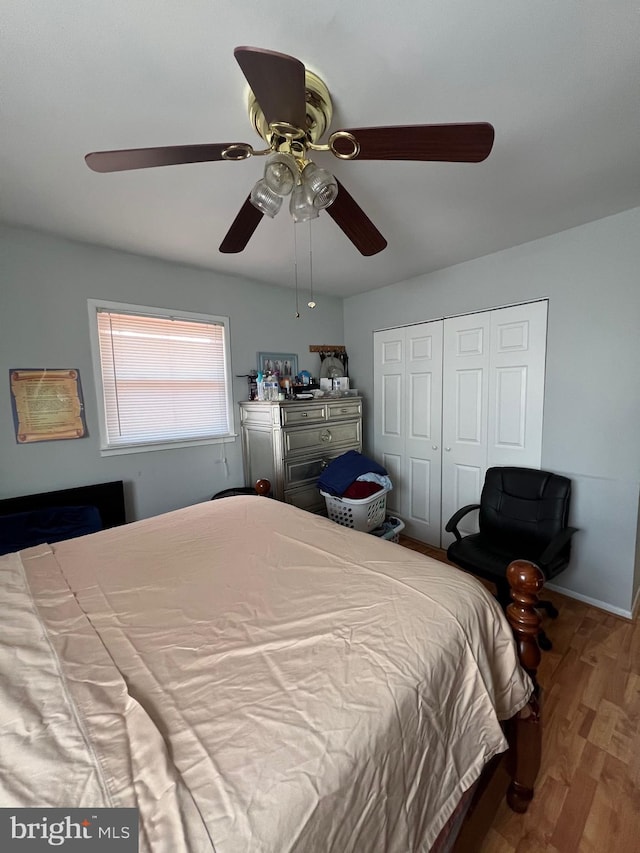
<point>96,306</point>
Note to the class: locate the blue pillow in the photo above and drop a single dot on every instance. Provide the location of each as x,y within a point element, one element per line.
<point>26,529</point>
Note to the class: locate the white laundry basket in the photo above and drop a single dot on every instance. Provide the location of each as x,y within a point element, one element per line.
<point>361,514</point>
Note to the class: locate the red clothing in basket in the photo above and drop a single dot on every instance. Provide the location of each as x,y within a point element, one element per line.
<point>360,489</point>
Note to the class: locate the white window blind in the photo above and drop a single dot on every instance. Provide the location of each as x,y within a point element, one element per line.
<point>164,378</point>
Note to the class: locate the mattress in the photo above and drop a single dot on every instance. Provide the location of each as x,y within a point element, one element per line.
<point>252,677</point>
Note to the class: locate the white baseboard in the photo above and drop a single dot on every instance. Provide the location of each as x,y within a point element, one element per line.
<point>636,604</point>
<point>594,602</point>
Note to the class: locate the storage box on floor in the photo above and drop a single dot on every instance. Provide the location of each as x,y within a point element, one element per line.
<point>390,529</point>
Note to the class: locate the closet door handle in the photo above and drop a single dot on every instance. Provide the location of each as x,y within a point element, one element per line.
<point>447,449</point>
<point>434,446</point>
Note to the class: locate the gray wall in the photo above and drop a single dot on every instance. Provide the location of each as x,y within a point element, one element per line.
<point>592,405</point>
<point>592,402</point>
<point>44,286</point>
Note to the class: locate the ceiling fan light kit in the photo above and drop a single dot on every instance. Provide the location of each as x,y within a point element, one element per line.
<point>311,187</point>
<point>265,199</point>
<point>300,208</point>
<point>321,186</point>
<point>281,172</point>
<point>290,108</point>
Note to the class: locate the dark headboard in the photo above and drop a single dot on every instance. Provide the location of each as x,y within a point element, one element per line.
<point>107,497</point>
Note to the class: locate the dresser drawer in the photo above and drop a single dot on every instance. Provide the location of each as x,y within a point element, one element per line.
<point>344,409</point>
<point>307,469</point>
<point>292,415</point>
<point>260,414</point>
<point>297,441</point>
<point>308,498</point>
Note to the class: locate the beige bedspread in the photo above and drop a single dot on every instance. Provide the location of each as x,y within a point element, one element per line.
<point>258,679</point>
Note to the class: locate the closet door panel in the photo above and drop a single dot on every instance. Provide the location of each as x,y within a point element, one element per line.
<point>394,463</point>
<point>422,511</point>
<point>469,409</point>
<point>389,411</point>
<point>467,485</point>
<point>407,423</point>
<point>518,350</point>
<point>392,393</point>
<point>464,414</point>
<point>420,404</point>
<point>508,429</point>
<point>420,483</point>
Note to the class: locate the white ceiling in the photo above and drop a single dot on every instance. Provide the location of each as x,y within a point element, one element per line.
<point>560,82</point>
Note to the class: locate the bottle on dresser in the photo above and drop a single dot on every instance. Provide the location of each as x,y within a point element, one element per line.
<point>271,387</point>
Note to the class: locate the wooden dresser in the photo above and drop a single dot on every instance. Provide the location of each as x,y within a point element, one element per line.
<point>290,443</point>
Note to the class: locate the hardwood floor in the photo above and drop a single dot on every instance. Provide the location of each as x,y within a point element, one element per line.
<point>588,792</point>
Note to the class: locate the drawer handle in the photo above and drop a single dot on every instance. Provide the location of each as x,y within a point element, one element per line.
<point>325,435</point>
<point>343,411</point>
<point>304,414</point>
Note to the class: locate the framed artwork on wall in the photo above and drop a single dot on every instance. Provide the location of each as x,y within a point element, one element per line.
<point>285,364</point>
<point>47,404</point>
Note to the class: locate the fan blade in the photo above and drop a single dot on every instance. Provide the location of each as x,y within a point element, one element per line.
<point>453,143</point>
<point>242,228</point>
<point>145,158</point>
<point>277,81</point>
<point>348,215</point>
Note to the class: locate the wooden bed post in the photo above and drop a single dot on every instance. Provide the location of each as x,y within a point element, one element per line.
<point>526,580</point>
<point>262,487</point>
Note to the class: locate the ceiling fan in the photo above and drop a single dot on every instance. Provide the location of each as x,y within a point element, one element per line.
<point>290,108</point>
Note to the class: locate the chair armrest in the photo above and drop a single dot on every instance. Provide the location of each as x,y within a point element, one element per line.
<point>557,544</point>
<point>452,525</point>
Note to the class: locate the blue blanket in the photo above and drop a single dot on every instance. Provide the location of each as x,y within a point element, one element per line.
<point>339,474</point>
<point>25,529</point>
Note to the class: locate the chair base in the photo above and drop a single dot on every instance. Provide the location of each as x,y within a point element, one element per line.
<point>544,642</point>
<point>550,610</point>
<point>548,607</point>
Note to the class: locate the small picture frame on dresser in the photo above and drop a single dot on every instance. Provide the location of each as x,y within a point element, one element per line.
<point>285,364</point>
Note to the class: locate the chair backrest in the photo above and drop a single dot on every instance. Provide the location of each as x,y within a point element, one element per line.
<point>524,506</point>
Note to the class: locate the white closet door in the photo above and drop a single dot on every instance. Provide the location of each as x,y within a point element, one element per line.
<point>493,377</point>
<point>452,398</point>
<point>423,454</point>
<point>389,410</point>
<point>408,423</point>
<point>516,385</point>
<point>464,415</point>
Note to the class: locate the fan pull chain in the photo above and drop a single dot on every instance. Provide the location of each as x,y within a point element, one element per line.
<point>311,303</point>
<point>295,267</point>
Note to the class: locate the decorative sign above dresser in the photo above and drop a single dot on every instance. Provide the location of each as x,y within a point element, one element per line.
<point>334,361</point>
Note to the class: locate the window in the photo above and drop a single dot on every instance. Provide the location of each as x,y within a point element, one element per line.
<point>164,377</point>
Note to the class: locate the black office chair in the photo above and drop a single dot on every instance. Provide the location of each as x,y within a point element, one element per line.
<point>523,516</point>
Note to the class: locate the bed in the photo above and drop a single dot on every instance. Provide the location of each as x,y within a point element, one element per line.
<point>255,678</point>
